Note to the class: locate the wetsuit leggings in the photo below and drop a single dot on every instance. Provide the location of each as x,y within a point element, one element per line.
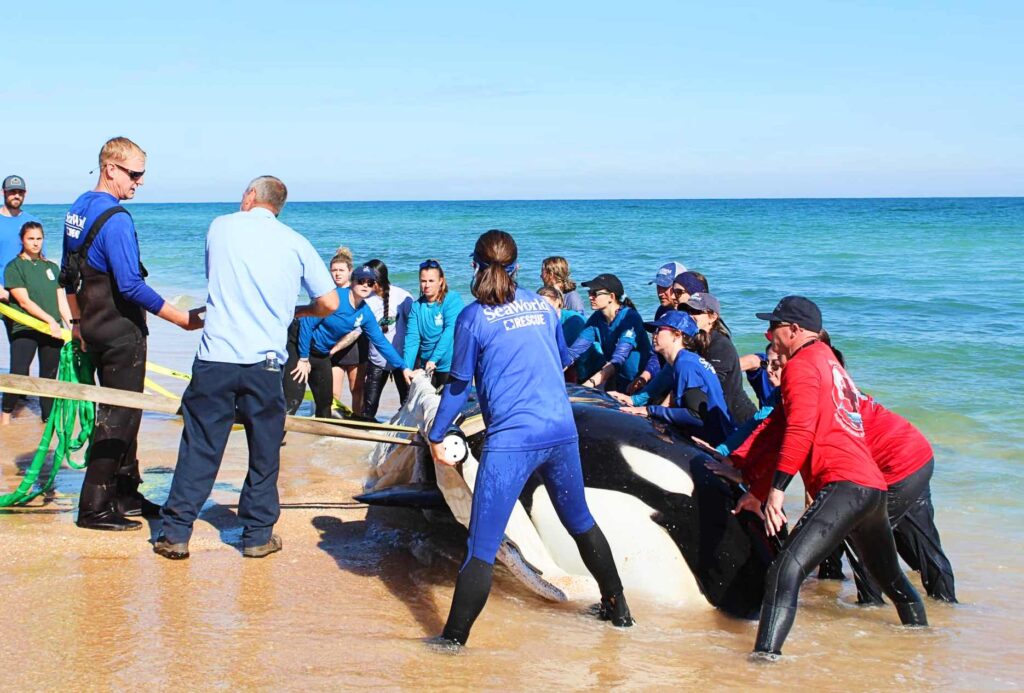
<point>499,481</point>
<point>112,453</point>
<point>912,518</point>
<point>373,387</point>
<point>841,509</point>
<point>24,346</point>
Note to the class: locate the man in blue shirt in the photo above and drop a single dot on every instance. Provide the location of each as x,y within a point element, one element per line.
<point>255,266</point>
<point>12,218</point>
<point>108,297</point>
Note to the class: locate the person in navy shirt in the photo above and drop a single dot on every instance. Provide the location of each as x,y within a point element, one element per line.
<point>317,336</point>
<point>108,301</point>
<point>511,342</point>
<point>698,404</point>
<point>618,329</point>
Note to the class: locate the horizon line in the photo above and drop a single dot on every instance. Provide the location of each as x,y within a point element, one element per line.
<point>592,199</point>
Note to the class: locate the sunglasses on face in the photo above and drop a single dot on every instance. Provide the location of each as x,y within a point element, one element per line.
<point>595,294</point>
<point>679,292</point>
<point>135,176</point>
<point>366,282</point>
<point>430,264</point>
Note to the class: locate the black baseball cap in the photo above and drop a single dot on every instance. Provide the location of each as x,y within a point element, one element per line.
<point>795,309</point>
<point>606,282</point>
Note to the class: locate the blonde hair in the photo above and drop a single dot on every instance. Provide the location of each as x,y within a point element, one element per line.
<point>342,256</point>
<point>558,267</point>
<point>119,149</point>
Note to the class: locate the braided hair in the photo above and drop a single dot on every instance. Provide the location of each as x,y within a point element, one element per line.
<point>383,290</point>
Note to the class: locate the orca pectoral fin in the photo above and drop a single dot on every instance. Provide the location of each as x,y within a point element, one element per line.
<point>405,496</point>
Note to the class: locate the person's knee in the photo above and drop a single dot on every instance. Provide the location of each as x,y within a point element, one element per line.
<point>782,583</point>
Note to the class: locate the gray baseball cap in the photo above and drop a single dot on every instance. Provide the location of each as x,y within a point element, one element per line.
<point>14,183</point>
<point>704,302</point>
<point>666,273</point>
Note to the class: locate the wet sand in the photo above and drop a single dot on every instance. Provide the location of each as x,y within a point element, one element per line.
<point>350,599</point>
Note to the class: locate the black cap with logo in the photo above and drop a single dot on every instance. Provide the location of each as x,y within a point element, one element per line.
<point>606,282</point>
<point>796,309</point>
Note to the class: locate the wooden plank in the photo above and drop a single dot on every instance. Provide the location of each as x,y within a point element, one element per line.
<point>57,389</point>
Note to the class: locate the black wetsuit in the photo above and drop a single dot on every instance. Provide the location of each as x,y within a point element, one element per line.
<point>722,354</point>
<point>841,509</point>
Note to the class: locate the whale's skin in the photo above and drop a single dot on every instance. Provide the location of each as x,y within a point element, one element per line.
<point>669,492</point>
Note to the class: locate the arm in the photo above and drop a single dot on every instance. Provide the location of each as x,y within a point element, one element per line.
<point>750,362</point>
<point>655,390</point>
<point>583,342</point>
<point>305,339</point>
<point>563,350</point>
<point>743,431</point>
<point>121,248</point>
<point>320,307</point>
<point>20,295</point>
<point>450,310</point>
<point>695,401</point>
<point>466,350</point>
<point>348,340</point>
<point>374,334</point>
<point>412,337</point>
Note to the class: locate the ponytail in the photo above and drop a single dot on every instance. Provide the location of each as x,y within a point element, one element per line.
<point>494,258</point>
<point>383,290</point>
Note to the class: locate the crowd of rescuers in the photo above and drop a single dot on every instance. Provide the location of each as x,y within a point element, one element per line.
<point>866,470</point>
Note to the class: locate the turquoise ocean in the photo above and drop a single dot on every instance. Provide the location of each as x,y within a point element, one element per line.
<point>924,296</point>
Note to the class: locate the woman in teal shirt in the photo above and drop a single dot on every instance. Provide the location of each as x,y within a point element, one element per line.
<point>430,332</point>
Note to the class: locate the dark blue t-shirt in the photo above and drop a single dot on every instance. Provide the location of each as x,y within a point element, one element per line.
<point>516,352</point>
<point>623,335</point>
<point>691,371</point>
<point>115,250</point>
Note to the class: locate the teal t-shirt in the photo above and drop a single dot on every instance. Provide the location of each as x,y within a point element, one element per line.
<point>39,278</point>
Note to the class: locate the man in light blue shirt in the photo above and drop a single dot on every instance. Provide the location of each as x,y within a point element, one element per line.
<point>255,266</point>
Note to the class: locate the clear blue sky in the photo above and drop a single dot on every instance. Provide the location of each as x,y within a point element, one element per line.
<point>479,100</point>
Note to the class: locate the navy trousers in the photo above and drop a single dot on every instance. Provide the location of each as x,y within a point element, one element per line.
<point>216,394</point>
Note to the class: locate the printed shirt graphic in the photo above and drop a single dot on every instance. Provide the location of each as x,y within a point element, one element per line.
<point>322,334</point>
<point>514,353</point>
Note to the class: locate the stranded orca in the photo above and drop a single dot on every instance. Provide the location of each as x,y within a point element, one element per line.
<point>667,517</point>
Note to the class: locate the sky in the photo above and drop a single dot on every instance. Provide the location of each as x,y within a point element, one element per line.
<point>525,100</point>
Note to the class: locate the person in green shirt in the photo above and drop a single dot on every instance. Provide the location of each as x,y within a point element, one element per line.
<point>31,280</point>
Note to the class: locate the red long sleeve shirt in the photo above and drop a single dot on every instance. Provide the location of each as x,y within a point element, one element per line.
<point>899,449</point>
<point>824,438</point>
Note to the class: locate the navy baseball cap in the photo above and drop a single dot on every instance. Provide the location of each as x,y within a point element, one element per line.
<point>364,272</point>
<point>689,281</point>
<point>667,273</point>
<point>703,302</point>
<point>14,183</point>
<point>795,309</point>
<point>677,320</point>
<point>606,282</point>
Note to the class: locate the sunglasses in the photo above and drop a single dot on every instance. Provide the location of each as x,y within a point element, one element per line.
<point>430,264</point>
<point>135,176</point>
<point>679,292</point>
<point>365,282</point>
<point>595,294</point>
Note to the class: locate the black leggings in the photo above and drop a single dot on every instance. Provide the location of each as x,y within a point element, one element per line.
<point>373,387</point>
<point>841,509</point>
<point>321,381</point>
<point>912,519</point>
<point>24,345</point>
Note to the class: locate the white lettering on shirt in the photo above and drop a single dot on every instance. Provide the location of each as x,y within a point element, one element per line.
<point>523,321</point>
<point>73,224</point>
<point>493,313</point>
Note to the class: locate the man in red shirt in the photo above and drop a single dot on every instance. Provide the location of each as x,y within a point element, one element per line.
<point>823,440</point>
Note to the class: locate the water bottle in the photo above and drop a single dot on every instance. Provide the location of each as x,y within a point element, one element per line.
<point>271,363</point>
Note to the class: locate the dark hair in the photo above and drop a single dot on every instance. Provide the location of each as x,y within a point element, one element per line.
<point>495,255</point>
<point>827,339</point>
<point>436,265</point>
<point>25,228</point>
<point>383,289</point>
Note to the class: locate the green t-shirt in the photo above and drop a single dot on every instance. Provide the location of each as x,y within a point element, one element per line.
<point>39,277</point>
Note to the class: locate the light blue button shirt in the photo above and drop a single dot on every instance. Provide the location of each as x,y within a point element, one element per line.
<point>255,266</point>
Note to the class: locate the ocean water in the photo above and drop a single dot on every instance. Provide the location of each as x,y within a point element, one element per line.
<point>924,296</point>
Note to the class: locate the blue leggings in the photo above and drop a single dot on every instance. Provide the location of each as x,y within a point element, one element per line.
<point>500,480</point>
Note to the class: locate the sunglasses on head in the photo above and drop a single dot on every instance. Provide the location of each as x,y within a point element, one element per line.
<point>430,264</point>
<point>134,175</point>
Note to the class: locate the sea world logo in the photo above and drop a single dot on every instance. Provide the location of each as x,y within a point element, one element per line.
<point>358,322</point>
<point>73,225</point>
<point>706,365</point>
<point>439,320</point>
<point>530,320</point>
<point>506,310</point>
<point>847,401</point>
<point>629,334</point>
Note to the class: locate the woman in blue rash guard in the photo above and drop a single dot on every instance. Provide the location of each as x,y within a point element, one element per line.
<point>698,404</point>
<point>318,335</point>
<point>510,340</point>
<point>430,330</point>
<point>615,326</point>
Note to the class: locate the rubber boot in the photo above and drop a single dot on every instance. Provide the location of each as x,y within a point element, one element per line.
<point>912,614</point>
<point>130,502</point>
<point>615,609</point>
<point>96,510</point>
<point>471,591</point>
<point>775,624</point>
<point>597,557</point>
